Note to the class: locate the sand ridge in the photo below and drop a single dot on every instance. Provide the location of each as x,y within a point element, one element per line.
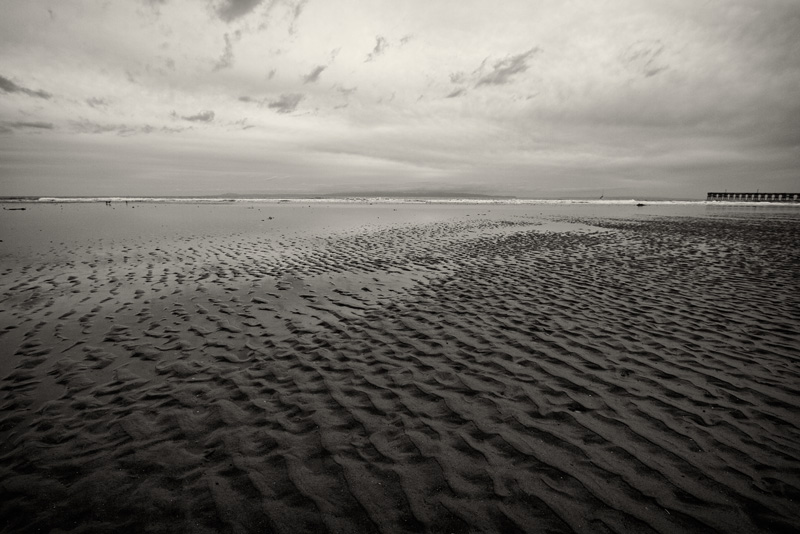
<point>472,375</point>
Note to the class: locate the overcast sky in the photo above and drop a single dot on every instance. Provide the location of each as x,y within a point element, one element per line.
<point>531,98</point>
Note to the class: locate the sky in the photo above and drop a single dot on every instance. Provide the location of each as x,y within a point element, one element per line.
<point>525,98</point>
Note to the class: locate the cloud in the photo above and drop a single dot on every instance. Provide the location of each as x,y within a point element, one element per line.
<point>313,76</point>
<point>381,44</point>
<point>505,69</point>
<point>645,58</point>
<point>633,85</point>
<point>7,86</point>
<point>286,103</point>
<point>97,102</point>
<point>231,10</point>
<point>154,5</point>
<point>85,126</point>
<point>226,59</point>
<point>501,73</point>
<point>203,116</point>
<point>242,124</point>
<point>346,91</point>
<point>296,12</point>
<point>261,102</point>
<point>298,9</point>
<point>458,77</point>
<point>35,125</point>
<point>120,129</point>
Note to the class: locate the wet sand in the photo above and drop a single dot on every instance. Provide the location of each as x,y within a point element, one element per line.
<point>398,369</point>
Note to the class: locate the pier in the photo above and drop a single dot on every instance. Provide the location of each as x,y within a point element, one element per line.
<point>753,197</point>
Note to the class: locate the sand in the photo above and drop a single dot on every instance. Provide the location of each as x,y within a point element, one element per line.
<point>398,369</point>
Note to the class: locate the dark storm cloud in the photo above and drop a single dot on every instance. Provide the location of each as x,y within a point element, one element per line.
<point>230,10</point>
<point>381,44</point>
<point>313,76</point>
<point>505,69</point>
<point>8,86</point>
<point>203,116</point>
<point>286,103</point>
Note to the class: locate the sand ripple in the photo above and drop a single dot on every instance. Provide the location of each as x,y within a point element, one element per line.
<point>478,376</point>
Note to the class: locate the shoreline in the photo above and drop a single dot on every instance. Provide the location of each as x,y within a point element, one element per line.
<point>380,200</point>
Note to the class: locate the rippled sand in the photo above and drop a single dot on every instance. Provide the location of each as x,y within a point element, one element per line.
<point>398,369</point>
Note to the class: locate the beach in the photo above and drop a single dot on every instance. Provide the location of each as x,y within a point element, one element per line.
<point>324,367</point>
